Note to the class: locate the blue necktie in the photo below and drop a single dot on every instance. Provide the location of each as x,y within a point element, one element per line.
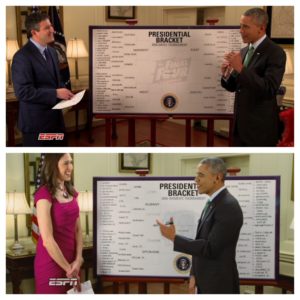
<point>49,60</point>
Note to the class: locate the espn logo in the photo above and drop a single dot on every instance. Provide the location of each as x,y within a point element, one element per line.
<point>63,281</point>
<point>51,136</point>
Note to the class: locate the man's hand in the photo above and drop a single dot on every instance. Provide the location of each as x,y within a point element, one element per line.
<point>192,285</point>
<point>168,231</point>
<point>235,60</point>
<point>64,94</point>
<point>224,67</point>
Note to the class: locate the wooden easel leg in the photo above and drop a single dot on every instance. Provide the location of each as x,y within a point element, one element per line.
<point>153,132</point>
<point>259,289</point>
<point>166,288</point>
<point>142,288</point>
<point>115,287</point>
<point>188,140</point>
<point>114,134</point>
<point>131,132</point>
<point>230,133</point>
<point>210,133</point>
<point>107,132</point>
<point>126,288</point>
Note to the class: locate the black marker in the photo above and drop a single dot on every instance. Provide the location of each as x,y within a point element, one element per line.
<point>169,223</point>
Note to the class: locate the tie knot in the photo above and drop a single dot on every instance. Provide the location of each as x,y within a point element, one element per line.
<point>251,49</point>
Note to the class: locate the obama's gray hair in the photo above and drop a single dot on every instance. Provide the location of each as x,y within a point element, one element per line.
<point>216,165</point>
<point>261,17</point>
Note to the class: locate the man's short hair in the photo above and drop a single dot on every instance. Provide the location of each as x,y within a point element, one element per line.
<point>33,21</point>
<point>261,17</point>
<point>216,165</point>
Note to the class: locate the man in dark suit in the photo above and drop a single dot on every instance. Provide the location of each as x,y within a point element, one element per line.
<point>214,269</point>
<point>37,85</point>
<point>255,74</point>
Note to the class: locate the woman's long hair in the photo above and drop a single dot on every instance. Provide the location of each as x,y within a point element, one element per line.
<point>50,174</point>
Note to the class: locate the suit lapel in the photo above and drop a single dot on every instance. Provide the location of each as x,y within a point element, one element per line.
<point>55,67</point>
<point>259,51</point>
<point>211,208</point>
<point>39,57</point>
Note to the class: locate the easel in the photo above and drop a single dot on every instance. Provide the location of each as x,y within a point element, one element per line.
<point>111,129</point>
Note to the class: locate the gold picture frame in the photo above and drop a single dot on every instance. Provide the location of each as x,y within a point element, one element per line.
<point>131,162</point>
<point>281,24</point>
<point>120,13</point>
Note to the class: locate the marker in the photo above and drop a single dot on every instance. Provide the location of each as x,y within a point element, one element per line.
<point>167,223</point>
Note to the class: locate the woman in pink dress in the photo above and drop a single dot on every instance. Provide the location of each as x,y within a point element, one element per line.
<point>59,248</point>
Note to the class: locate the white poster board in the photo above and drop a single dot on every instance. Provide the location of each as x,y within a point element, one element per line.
<point>128,241</point>
<point>160,70</point>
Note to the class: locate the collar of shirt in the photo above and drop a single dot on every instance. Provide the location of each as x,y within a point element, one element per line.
<point>39,46</point>
<point>216,193</point>
<point>258,42</point>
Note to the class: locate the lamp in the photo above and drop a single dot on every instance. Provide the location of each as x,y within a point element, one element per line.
<point>11,48</point>
<point>76,49</point>
<point>16,204</point>
<point>289,67</point>
<point>292,224</point>
<point>85,201</point>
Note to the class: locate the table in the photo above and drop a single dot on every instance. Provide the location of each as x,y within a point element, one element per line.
<point>21,265</point>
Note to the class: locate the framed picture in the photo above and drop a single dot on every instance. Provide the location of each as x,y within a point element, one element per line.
<point>32,173</point>
<point>130,162</point>
<point>120,13</point>
<point>23,16</point>
<point>281,24</point>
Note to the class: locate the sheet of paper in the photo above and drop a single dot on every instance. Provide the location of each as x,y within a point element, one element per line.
<point>86,288</point>
<point>68,103</point>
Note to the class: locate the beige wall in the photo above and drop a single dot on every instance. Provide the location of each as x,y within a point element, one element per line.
<point>78,18</point>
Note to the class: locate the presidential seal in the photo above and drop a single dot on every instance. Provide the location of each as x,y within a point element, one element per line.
<point>182,264</point>
<point>169,101</point>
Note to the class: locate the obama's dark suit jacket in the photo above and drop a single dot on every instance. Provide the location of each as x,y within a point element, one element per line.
<point>255,108</point>
<point>213,249</point>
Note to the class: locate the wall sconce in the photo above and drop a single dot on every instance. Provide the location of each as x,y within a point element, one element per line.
<point>85,201</point>
<point>76,49</point>
<point>11,48</point>
<point>16,204</point>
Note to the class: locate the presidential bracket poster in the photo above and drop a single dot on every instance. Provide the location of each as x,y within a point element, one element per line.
<point>160,70</point>
<point>128,241</point>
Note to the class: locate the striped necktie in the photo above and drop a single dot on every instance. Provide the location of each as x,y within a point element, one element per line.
<point>248,56</point>
<point>205,209</point>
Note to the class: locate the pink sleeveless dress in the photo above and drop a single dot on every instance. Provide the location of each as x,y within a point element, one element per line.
<point>64,216</point>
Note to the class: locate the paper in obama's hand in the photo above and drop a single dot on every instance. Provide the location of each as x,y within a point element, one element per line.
<point>68,103</point>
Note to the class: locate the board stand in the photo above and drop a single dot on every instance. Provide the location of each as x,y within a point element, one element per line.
<point>211,118</point>
<point>111,128</point>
